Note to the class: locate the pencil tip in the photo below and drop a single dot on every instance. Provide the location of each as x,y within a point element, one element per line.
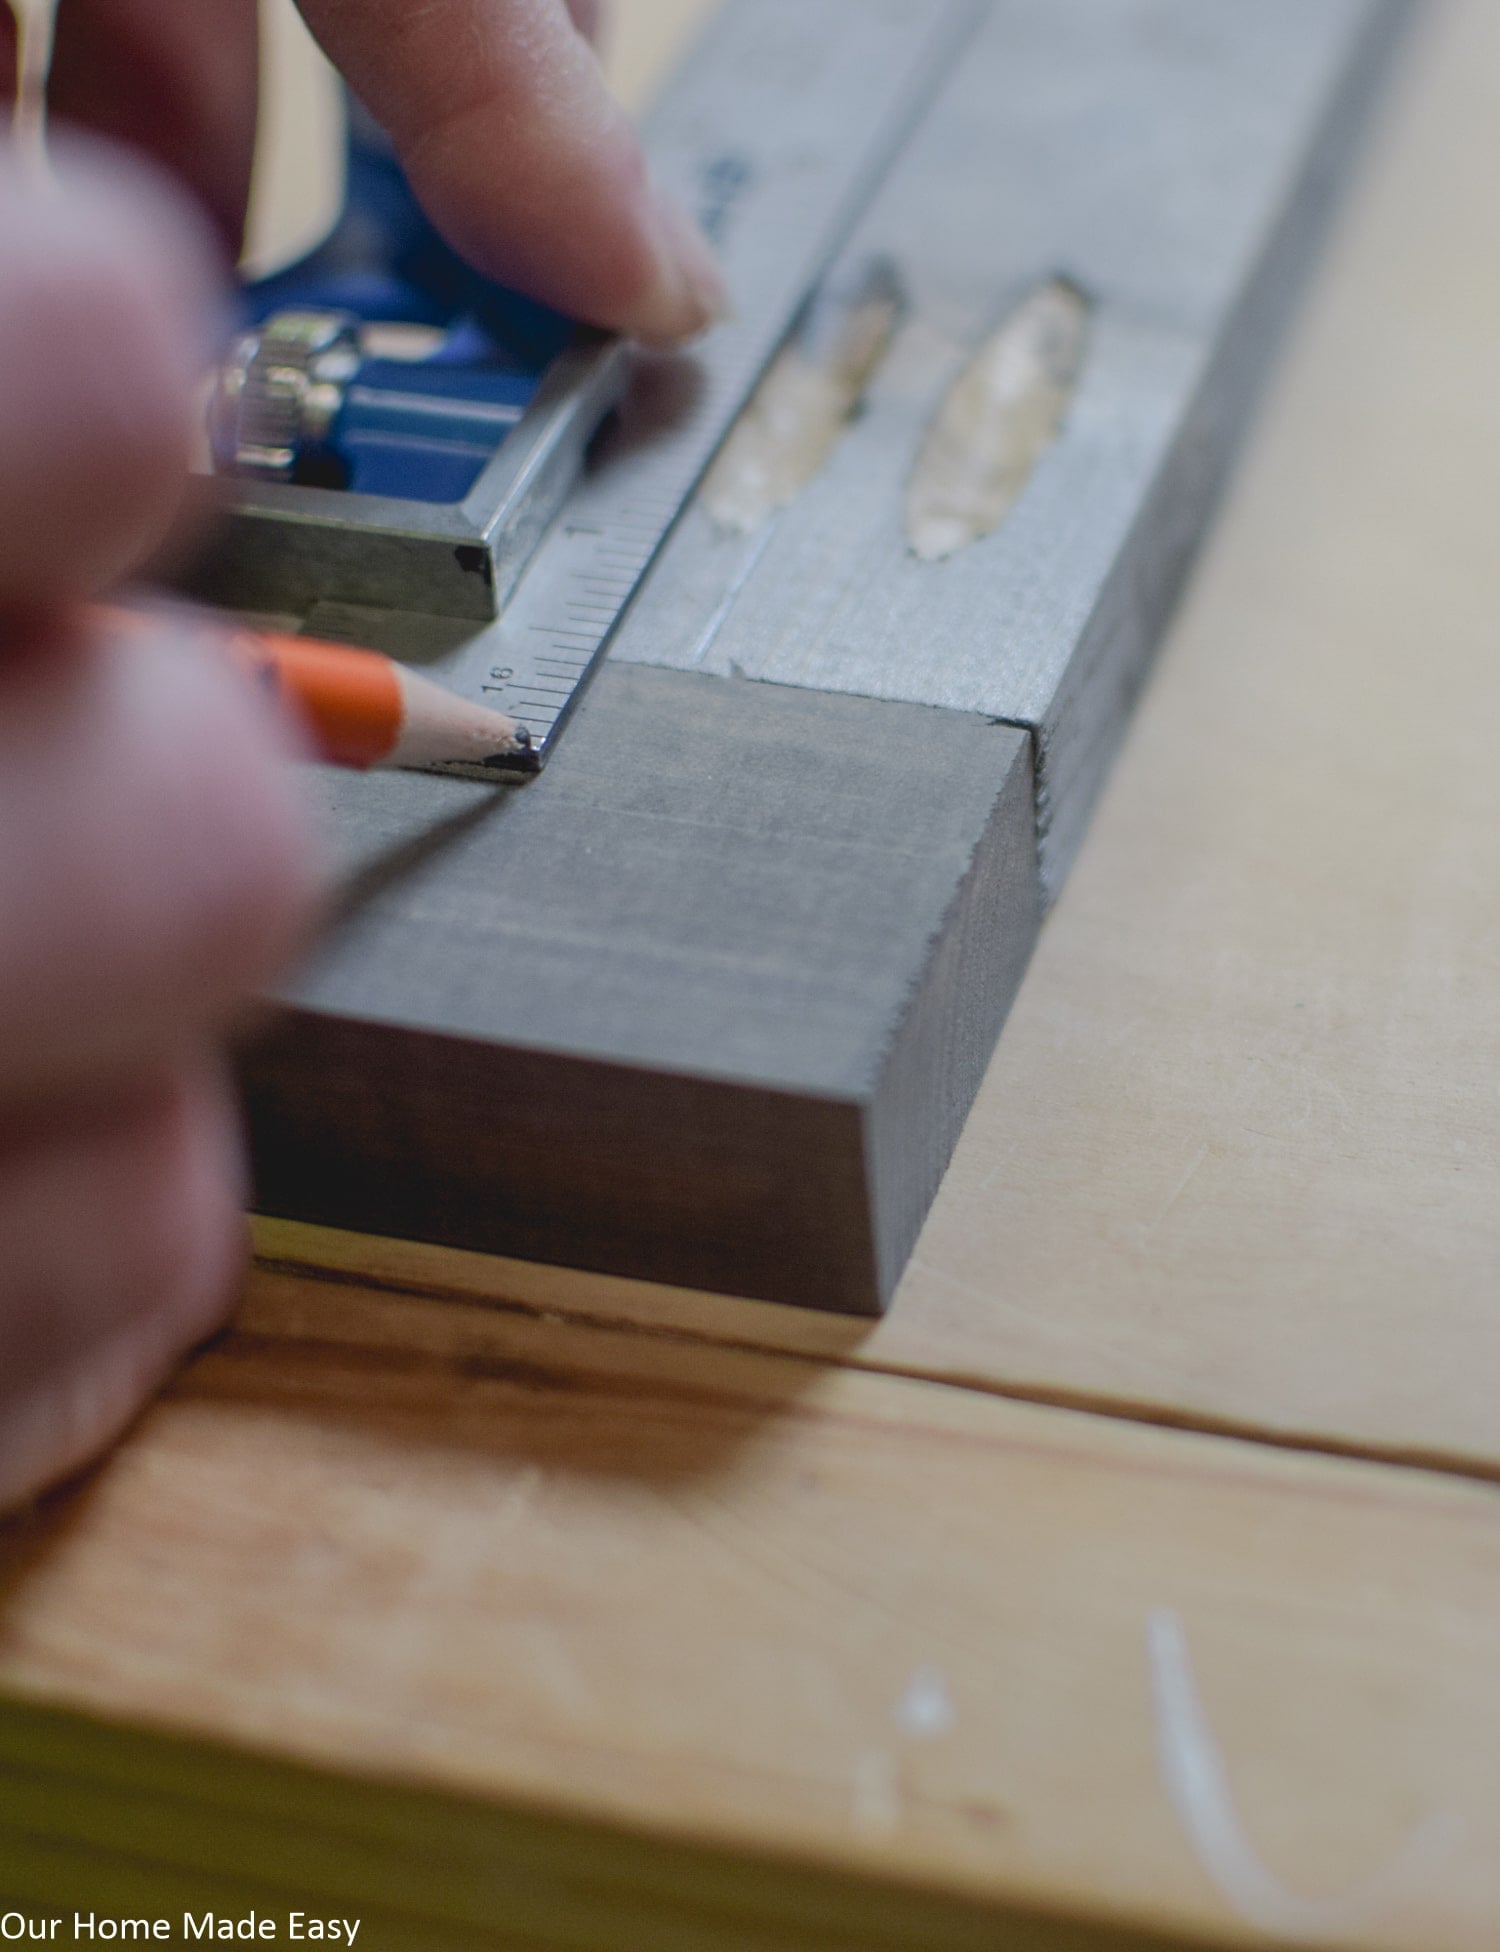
<point>443,728</point>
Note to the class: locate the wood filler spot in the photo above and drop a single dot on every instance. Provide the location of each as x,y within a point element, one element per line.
<point>35,21</point>
<point>997,420</point>
<point>810,393</point>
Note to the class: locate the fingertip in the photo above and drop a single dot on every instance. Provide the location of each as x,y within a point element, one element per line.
<point>690,294</point>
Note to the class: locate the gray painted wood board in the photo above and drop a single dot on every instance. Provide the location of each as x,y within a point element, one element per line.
<point>707,1002</point>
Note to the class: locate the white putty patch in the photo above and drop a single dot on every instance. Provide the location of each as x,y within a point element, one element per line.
<point>797,415</point>
<point>999,417</point>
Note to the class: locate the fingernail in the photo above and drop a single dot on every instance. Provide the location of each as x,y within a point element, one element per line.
<point>701,297</point>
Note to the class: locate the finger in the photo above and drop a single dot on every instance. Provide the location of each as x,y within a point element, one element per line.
<point>174,79</point>
<point>121,1241</point>
<point>155,859</point>
<point>106,305</point>
<point>522,157</point>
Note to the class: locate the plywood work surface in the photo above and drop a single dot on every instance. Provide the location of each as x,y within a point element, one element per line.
<point>658,1572</point>
<point>910,1634</point>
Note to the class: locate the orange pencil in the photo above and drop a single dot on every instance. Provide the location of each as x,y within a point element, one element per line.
<point>361,708</point>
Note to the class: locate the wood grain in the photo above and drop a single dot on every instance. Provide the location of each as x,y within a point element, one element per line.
<point>686,1590</point>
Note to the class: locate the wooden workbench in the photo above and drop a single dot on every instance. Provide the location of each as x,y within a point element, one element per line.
<point>1136,1580</point>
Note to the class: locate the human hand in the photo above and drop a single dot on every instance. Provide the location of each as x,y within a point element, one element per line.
<point>154,863</point>
<point>155,867</point>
